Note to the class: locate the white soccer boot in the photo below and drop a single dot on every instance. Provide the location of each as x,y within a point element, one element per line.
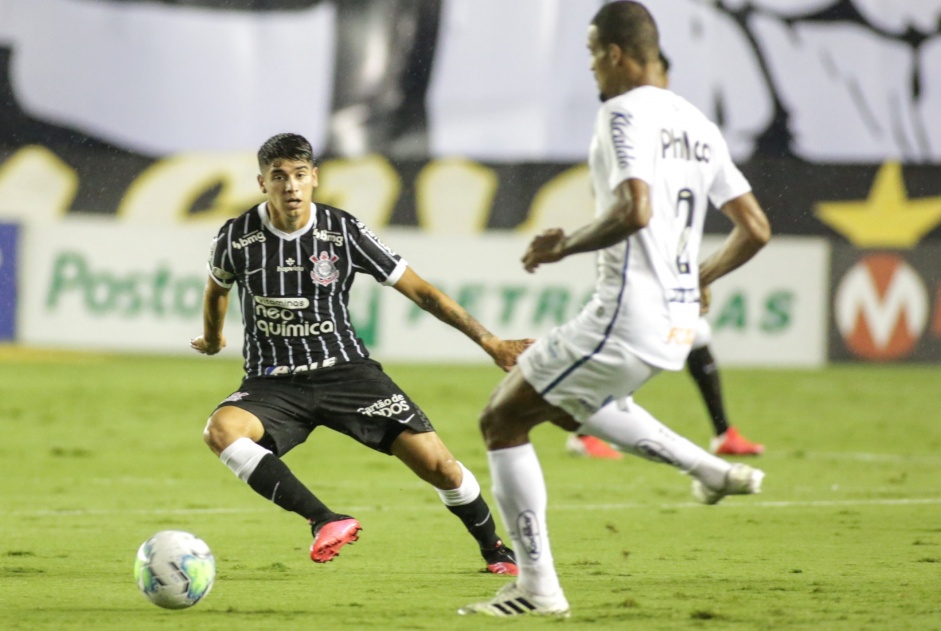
<point>514,600</point>
<point>740,480</point>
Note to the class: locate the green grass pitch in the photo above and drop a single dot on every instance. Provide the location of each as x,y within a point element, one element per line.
<point>99,452</point>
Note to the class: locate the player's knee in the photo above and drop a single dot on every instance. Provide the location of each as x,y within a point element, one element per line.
<point>207,434</point>
<point>444,474</point>
<point>221,431</point>
<point>212,435</point>
<point>440,468</point>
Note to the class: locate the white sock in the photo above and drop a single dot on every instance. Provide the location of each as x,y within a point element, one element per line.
<point>634,430</point>
<point>243,456</point>
<point>520,491</point>
<point>466,493</point>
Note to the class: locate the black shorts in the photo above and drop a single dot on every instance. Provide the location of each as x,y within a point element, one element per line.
<point>356,398</point>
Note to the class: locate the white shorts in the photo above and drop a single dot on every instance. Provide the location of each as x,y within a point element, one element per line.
<point>581,371</point>
<point>703,333</point>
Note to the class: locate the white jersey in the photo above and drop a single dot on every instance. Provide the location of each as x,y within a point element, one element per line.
<point>647,292</point>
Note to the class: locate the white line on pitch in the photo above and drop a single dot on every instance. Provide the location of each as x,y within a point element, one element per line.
<point>737,503</point>
<point>870,457</point>
<point>747,503</point>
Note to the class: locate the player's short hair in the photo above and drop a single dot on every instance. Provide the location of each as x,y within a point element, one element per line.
<point>629,25</point>
<point>285,147</point>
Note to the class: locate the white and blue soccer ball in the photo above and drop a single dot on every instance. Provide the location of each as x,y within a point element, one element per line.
<point>174,569</point>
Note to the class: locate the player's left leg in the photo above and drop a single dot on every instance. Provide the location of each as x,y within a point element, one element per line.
<point>633,429</point>
<point>426,454</point>
<point>586,446</point>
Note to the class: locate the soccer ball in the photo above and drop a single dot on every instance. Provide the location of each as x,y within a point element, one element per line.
<point>174,569</point>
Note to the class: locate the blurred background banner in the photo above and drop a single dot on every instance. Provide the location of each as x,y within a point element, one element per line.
<point>152,109</point>
<point>8,279</point>
<point>834,81</point>
<point>453,119</point>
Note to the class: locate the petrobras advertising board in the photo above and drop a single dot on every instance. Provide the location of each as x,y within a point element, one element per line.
<point>771,312</point>
<point>482,273</point>
<point>104,285</point>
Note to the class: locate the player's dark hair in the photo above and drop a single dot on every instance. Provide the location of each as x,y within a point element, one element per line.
<point>285,147</point>
<point>629,25</point>
<point>665,62</point>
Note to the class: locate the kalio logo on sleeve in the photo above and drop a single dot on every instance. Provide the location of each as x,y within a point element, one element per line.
<point>8,243</point>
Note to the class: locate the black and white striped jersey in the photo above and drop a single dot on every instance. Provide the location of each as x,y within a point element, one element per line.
<point>294,288</point>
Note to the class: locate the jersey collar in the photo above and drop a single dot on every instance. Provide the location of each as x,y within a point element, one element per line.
<point>287,236</point>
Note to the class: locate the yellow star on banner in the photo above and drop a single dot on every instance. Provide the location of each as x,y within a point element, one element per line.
<point>887,218</point>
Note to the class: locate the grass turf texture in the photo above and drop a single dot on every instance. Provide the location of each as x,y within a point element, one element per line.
<point>100,452</point>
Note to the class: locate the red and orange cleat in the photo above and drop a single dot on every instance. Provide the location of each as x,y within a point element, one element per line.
<point>500,560</point>
<point>591,447</point>
<point>731,443</point>
<point>330,537</point>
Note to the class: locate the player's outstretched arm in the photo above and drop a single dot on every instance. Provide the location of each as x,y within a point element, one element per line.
<point>443,307</point>
<point>215,305</point>
<point>629,213</point>
<point>751,232</point>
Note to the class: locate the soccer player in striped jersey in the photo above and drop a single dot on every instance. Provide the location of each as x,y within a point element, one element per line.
<point>294,263</point>
<point>655,163</point>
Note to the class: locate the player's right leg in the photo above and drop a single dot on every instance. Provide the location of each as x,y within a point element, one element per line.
<point>520,491</point>
<point>562,378</point>
<point>233,434</point>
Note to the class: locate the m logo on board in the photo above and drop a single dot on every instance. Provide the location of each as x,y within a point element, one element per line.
<point>881,307</point>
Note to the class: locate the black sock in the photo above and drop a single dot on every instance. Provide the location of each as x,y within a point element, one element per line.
<point>477,519</point>
<point>705,373</point>
<point>274,481</point>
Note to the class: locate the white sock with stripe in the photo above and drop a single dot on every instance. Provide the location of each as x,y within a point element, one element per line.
<point>520,491</point>
<point>242,456</point>
<point>467,492</point>
<point>634,430</point>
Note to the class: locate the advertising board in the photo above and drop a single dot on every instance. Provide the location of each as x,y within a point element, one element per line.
<point>106,285</point>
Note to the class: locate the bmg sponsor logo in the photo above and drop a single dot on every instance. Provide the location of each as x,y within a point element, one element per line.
<point>253,237</point>
<point>330,237</point>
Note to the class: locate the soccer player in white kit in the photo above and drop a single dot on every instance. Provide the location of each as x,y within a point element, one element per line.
<point>656,162</point>
<point>702,367</point>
